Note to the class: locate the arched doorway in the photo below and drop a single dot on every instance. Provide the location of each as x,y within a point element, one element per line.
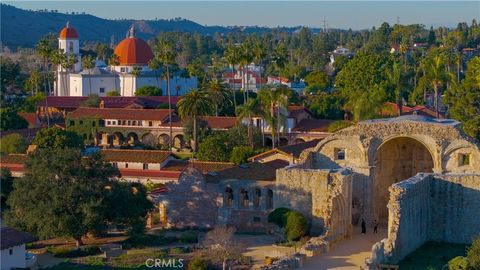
<point>396,160</point>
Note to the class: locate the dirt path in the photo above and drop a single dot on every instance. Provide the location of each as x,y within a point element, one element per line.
<point>347,255</point>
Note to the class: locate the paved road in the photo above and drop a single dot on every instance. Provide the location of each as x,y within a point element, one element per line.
<point>347,255</point>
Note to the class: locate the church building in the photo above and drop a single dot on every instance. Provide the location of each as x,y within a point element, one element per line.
<point>127,75</point>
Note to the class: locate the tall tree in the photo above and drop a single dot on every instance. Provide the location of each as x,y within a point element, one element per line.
<point>89,63</point>
<point>61,194</point>
<point>436,75</point>
<point>259,54</point>
<point>165,53</point>
<point>113,61</point>
<point>395,81</point>
<point>191,106</point>
<point>273,102</point>
<point>245,59</point>
<point>231,55</point>
<point>248,111</point>
<point>217,94</point>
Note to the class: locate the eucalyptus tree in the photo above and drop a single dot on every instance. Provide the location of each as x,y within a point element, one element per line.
<point>232,57</point>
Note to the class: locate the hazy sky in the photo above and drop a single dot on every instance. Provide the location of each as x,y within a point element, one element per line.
<point>339,14</point>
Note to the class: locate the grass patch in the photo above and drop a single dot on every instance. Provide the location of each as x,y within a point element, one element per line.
<point>432,255</point>
<point>72,252</point>
<point>148,240</point>
<point>136,258</point>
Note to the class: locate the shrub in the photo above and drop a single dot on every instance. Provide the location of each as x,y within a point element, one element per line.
<point>338,125</point>
<point>198,263</point>
<point>178,250</point>
<point>473,254</point>
<point>94,261</point>
<point>148,90</point>
<point>13,143</point>
<point>458,263</point>
<point>296,226</point>
<point>241,154</point>
<point>279,216</point>
<point>92,101</point>
<point>146,240</point>
<point>188,237</point>
<point>113,93</point>
<point>71,252</point>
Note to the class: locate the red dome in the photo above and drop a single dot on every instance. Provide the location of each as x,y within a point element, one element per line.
<point>133,51</point>
<point>68,32</point>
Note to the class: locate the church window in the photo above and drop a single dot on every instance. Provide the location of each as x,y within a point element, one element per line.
<point>134,123</point>
<point>94,123</point>
<point>150,123</point>
<point>71,46</point>
<point>122,69</point>
<point>108,122</point>
<point>81,122</point>
<point>102,89</point>
<point>126,165</point>
<point>115,164</point>
<point>339,154</point>
<point>228,197</point>
<point>145,166</point>
<point>72,123</point>
<point>463,159</point>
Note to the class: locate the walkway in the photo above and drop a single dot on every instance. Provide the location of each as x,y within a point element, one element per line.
<point>347,255</point>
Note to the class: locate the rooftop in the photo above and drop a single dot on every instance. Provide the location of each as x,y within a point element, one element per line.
<point>254,171</point>
<point>292,150</point>
<point>313,125</point>
<point>121,113</point>
<point>11,237</point>
<point>202,166</point>
<point>140,156</point>
<point>109,102</point>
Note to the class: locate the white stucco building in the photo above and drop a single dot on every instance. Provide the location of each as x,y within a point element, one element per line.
<point>130,73</point>
<point>13,254</point>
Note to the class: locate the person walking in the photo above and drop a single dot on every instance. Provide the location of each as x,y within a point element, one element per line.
<point>364,227</point>
<point>375,226</point>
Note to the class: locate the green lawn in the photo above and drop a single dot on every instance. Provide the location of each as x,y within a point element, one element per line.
<point>432,255</point>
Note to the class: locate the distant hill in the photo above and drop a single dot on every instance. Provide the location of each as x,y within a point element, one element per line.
<point>23,28</point>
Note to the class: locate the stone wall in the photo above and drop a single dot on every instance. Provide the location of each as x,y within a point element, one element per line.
<point>429,207</point>
<point>324,196</point>
<point>191,202</point>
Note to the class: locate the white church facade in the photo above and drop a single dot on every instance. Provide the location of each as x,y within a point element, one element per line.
<point>133,53</point>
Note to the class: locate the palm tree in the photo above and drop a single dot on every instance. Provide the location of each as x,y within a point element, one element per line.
<point>395,80</point>
<point>69,61</point>
<point>45,50</point>
<point>191,106</point>
<point>247,111</point>
<point>88,63</point>
<point>114,60</point>
<point>135,73</point>
<point>245,59</point>
<point>436,75</point>
<point>458,62</point>
<point>165,54</point>
<point>259,55</point>
<point>154,64</point>
<point>217,93</point>
<point>279,58</point>
<point>231,56</point>
<point>273,100</point>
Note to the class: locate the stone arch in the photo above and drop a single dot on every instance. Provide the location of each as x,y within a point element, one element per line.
<point>132,138</point>
<point>451,160</point>
<point>355,153</point>
<point>149,139</point>
<point>339,222</point>
<point>426,141</point>
<point>268,142</point>
<point>118,138</point>
<point>282,141</point>
<point>244,198</point>
<point>397,159</point>
<point>178,141</point>
<point>298,140</point>
<point>163,139</point>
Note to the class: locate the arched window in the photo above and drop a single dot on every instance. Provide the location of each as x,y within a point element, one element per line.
<point>269,199</point>
<point>244,198</point>
<point>257,198</point>
<point>70,46</point>
<point>228,197</point>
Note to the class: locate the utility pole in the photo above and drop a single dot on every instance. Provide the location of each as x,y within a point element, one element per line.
<point>324,24</point>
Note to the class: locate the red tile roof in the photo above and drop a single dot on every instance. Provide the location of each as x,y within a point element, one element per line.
<point>150,173</point>
<point>292,150</point>
<point>11,237</point>
<point>254,171</point>
<point>390,110</point>
<point>31,118</point>
<point>295,110</point>
<point>13,158</point>
<point>121,113</point>
<point>140,156</point>
<point>202,166</point>
<point>220,122</point>
<point>109,102</point>
<point>313,125</point>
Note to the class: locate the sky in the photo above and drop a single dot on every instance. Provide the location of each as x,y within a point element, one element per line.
<point>338,14</point>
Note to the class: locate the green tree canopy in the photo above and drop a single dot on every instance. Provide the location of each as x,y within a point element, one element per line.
<point>113,93</point>
<point>93,101</point>
<point>464,99</point>
<point>6,181</point>
<point>148,90</point>
<point>214,148</point>
<point>240,154</point>
<point>13,144</point>
<point>10,119</point>
<point>61,194</point>
<point>56,138</point>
